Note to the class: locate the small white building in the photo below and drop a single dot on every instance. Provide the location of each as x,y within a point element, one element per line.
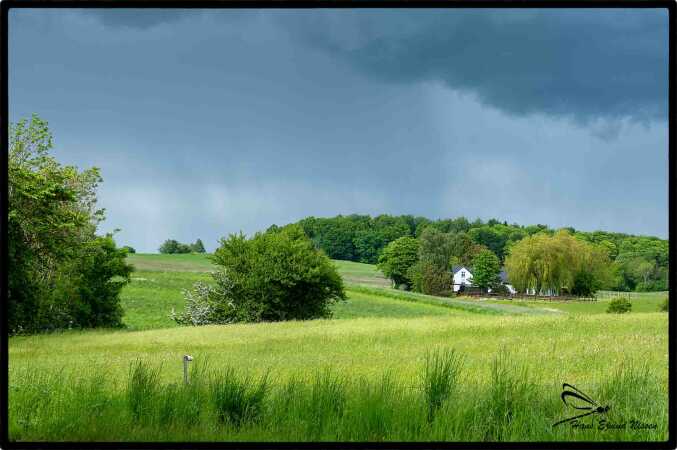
<point>463,277</point>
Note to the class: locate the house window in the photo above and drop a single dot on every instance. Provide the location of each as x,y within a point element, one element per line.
<point>462,273</point>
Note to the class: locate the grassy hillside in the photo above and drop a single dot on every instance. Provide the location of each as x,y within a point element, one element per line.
<point>379,332</point>
<point>159,280</point>
<point>574,347</point>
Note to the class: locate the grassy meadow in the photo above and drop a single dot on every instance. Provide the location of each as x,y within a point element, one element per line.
<point>389,365</point>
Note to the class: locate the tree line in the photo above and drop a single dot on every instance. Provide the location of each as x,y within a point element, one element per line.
<point>639,263</point>
<point>172,246</point>
<point>557,263</point>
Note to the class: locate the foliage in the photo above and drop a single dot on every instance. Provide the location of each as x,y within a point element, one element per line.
<point>464,249</point>
<point>92,284</point>
<point>362,238</point>
<point>357,237</point>
<point>501,289</point>
<point>52,246</point>
<point>619,305</point>
<point>436,249</point>
<point>397,258</point>
<point>430,279</point>
<point>486,269</point>
<point>172,246</point>
<point>556,262</point>
<point>198,247</point>
<point>129,249</point>
<point>270,277</point>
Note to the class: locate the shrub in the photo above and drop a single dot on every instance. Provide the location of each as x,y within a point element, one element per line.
<point>664,306</point>
<point>429,279</point>
<point>619,306</point>
<point>270,277</point>
<point>501,289</point>
<point>585,284</point>
<point>96,279</point>
<point>129,249</point>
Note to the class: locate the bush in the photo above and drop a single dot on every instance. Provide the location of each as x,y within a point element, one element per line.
<point>129,249</point>
<point>501,289</point>
<point>429,279</point>
<point>100,274</point>
<point>585,284</point>
<point>619,306</point>
<point>270,277</point>
<point>664,305</point>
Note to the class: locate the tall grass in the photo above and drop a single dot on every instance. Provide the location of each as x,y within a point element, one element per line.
<point>231,405</point>
<point>440,378</point>
<point>238,399</point>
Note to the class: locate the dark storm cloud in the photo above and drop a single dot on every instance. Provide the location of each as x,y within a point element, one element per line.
<point>139,18</point>
<point>584,64</point>
<point>231,120</point>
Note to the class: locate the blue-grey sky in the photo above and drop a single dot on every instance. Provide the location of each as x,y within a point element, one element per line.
<point>210,122</point>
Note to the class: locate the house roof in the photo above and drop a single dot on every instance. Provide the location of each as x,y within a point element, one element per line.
<point>455,269</point>
<point>503,275</point>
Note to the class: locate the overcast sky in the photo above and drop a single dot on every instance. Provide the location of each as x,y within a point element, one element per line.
<point>205,123</point>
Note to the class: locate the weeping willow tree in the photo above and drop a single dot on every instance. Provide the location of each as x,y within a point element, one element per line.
<point>552,263</point>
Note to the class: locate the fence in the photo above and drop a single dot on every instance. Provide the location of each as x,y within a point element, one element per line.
<point>628,295</point>
<point>519,296</point>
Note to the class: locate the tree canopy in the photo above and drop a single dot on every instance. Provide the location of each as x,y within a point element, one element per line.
<point>172,246</point>
<point>485,270</point>
<point>61,274</point>
<point>560,261</point>
<point>639,262</point>
<point>397,258</point>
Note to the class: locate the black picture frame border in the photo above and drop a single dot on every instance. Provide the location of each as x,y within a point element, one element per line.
<point>7,5</point>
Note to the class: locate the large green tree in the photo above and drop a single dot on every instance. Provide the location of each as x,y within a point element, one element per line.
<point>485,270</point>
<point>397,258</point>
<point>555,262</point>
<point>52,243</point>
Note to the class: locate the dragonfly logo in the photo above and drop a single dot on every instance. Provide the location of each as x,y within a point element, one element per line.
<point>576,399</point>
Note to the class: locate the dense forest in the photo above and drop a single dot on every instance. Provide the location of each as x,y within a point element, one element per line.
<point>640,262</point>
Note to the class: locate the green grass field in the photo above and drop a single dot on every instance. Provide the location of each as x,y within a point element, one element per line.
<point>618,359</point>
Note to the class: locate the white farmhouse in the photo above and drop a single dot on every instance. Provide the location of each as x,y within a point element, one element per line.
<point>463,277</point>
